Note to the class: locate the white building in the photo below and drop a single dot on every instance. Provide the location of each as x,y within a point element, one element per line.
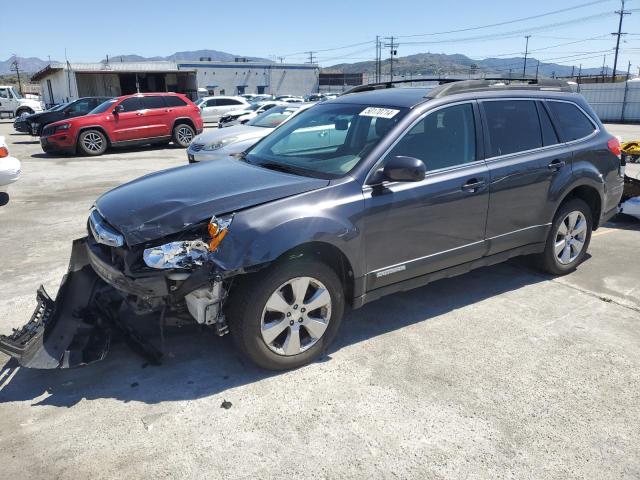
<point>62,82</point>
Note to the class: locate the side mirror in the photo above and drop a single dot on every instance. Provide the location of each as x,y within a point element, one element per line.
<point>401,169</point>
<point>118,109</point>
<point>342,124</point>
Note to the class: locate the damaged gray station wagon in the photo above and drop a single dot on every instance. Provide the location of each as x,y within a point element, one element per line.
<point>380,190</point>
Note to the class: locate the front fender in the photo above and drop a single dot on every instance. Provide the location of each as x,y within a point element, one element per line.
<point>262,234</point>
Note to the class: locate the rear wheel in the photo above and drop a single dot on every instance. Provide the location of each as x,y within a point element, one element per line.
<point>568,239</point>
<point>286,316</point>
<point>92,142</point>
<point>183,134</point>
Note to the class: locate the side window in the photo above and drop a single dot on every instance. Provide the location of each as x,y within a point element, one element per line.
<point>4,93</point>
<point>549,136</point>
<point>173,101</point>
<point>153,102</point>
<point>442,139</point>
<point>513,126</point>
<point>81,106</point>
<point>212,103</point>
<point>572,123</point>
<point>131,104</point>
<point>225,102</point>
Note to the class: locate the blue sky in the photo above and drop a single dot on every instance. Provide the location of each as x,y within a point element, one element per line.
<point>90,29</point>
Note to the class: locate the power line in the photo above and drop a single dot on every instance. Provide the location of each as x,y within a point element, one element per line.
<point>517,20</point>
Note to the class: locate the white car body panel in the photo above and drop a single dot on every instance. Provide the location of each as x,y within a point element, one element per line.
<point>10,169</point>
<point>212,113</point>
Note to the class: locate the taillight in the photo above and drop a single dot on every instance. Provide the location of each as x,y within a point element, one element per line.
<point>4,152</point>
<point>614,146</point>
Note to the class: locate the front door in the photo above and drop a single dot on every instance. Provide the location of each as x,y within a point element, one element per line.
<point>129,124</point>
<point>414,228</point>
<point>525,157</point>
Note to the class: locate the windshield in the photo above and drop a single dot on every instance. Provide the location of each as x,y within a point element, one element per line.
<point>327,140</point>
<point>252,107</point>
<point>104,106</point>
<point>199,101</point>
<point>16,94</point>
<point>273,117</point>
<point>57,108</point>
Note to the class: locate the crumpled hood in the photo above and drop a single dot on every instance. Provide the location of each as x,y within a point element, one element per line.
<point>168,201</point>
<point>237,132</point>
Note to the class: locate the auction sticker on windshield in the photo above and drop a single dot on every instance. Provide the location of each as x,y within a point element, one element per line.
<point>379,112</point>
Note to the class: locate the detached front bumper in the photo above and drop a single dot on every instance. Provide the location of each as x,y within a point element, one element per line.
<point>68,332</point>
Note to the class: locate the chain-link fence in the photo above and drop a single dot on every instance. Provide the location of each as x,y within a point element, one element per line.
<point>613,102</point>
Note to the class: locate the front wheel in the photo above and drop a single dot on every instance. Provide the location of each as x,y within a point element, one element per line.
<point>568,239</point>
<point>287,315</point>
<point>183,134</point>
<point>92,142</point>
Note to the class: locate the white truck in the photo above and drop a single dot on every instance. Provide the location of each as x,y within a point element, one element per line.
<point>14,104</point>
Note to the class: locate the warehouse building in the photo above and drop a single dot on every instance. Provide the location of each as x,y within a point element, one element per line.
<point>62,82</point>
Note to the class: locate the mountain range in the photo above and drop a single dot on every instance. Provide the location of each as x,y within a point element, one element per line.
<point>418,64</point>
<point>441,64</point>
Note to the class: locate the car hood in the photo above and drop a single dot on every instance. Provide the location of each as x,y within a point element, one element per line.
<point>169,201</point>
<point>237,132</point>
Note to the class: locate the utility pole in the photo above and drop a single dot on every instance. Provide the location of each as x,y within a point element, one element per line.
<point>573,69</point>
<point>377,75</point>
<point>579,73</point>
<point>311,57</point>
<point>537,68</point>
<point>622,12</point>
<point>526,52</point>
<point>16,66</point>
<point>392,52</point>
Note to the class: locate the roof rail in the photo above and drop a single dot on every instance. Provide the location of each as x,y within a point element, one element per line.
<point>489,84</point>
<point>450,86</point>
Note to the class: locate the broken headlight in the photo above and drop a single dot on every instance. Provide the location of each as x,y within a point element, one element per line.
<point>188,253</point>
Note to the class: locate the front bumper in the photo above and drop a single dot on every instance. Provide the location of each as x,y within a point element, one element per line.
<point>64,143</point>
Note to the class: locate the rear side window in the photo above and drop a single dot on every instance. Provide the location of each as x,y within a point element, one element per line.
<point>513,126</point>
<point>227,101</point>
<point>572,123</point>
<point>153,102</point>
<point>173,101</point>
<point>444,138</point>
<point>131,104</point>
<point>549,136</point>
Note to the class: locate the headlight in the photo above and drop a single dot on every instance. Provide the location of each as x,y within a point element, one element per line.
<point>63,127</point>
<point>220,143</point>
<point>186,254</point>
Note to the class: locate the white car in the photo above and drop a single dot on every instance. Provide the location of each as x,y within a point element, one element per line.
<point>243,115</point>
<point>212,108</point>
<point>215,144</point>
<point>13,103</point>
<point>9,168</point>
<point>290,99</point>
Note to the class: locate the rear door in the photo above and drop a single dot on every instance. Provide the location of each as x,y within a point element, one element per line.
<point>156,118</point>
<point>526,159</point>
<point>210,110</point>
<point>130,123</point>
<point>79,108</point>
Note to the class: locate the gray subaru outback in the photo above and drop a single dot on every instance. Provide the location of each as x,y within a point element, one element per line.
<point>380,190</point>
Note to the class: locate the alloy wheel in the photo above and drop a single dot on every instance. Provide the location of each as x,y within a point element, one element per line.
<point>92,142</point>
<point>570,237</point>
<point>185,135</point>
<point>296,316</point>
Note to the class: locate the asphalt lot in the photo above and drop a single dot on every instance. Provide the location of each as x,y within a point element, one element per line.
<point>500,373</point>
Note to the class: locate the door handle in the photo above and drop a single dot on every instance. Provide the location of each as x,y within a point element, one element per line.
<point>556,165</point>
<point>473,185</point>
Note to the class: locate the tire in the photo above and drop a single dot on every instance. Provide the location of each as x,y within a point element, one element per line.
<point>568,239</point>
<point>92,142</point>
<point>183,133</point>
<point>268,336</point>
<point>28,111</point>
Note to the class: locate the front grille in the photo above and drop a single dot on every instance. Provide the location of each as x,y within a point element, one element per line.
<point>47,131</point>
<point>196,147</point>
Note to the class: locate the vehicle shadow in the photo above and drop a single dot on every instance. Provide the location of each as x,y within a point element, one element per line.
<point>198,365</point>
<point>110,154</point>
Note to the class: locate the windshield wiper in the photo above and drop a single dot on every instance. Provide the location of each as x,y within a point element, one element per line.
<point>279,167</point>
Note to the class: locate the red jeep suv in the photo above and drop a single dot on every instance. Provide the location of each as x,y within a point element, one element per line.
<point>125,121</point>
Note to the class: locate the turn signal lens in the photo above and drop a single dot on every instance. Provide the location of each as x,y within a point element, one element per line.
<point>4,152</point>
<point>218,228</point>
<point>212,229</point>
<point>215,241</point>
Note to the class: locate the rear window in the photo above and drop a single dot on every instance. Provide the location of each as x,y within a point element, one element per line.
<point>173,101</point>
<point>513,126</point>
<point>228,101</point>
<point>572,123</point>
<point>153,102</point>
